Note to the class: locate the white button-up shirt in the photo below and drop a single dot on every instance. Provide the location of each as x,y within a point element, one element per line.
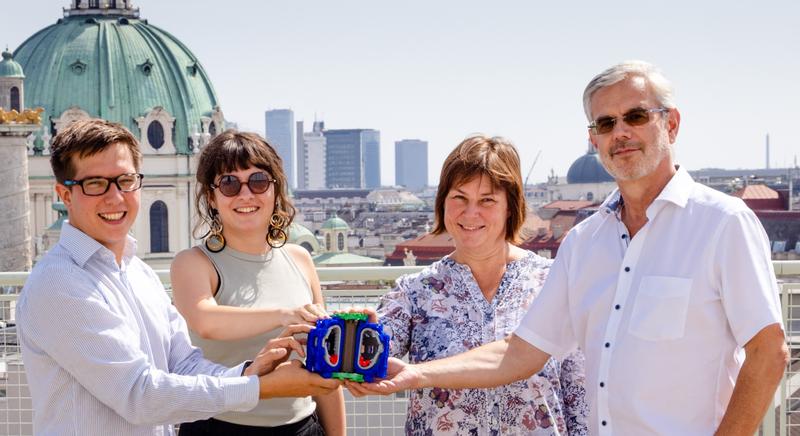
<point>661,317</point>
<point>105,351</point>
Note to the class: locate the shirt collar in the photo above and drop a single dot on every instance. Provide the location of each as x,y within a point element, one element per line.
<point>676,191</point>
<point>81,247</point>
<point>678,188</point>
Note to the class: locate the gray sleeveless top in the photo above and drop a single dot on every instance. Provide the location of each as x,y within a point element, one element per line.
<point>246,280</point>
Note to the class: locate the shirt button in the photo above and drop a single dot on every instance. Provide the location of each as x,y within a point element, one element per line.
<point>627,269</point>
<point>617,307</point>
<point>603,422</point>
<point>624,236</point>
<point>602,385</point>
<point>608,344</point>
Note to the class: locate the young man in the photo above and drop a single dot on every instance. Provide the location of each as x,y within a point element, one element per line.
<point>661,289</point>
<point>105,352</point>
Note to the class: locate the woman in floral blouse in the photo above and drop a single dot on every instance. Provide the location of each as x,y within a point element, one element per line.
<point>475,295</point>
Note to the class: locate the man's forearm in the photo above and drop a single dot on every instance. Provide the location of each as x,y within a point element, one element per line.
<point>761,372</point>
<point>494,364</point>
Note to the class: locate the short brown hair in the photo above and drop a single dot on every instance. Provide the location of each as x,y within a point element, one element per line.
<point>230,151</point>
<point>88,137</point>
<point>493,157</point>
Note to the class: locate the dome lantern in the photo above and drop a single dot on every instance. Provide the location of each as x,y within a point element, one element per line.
<point>101,7</point>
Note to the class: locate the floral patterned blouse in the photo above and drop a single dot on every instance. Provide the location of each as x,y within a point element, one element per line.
<point>440,312</point>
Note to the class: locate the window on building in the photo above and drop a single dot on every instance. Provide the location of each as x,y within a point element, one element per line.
<point>15,99</point>
<point>212,128</point>
<point>328,242</point>
<point>590,196</point>
<point>94,3</point>
<point>155,134</point>
<point>159,228</point>
<point>340,241</point>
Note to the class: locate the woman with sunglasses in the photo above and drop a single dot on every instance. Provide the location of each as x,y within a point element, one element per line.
<point>244,285</point>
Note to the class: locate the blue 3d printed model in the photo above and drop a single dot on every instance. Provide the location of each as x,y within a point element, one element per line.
<point>348,347</point>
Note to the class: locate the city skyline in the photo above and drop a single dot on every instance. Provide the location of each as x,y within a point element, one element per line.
<point>442,71</point>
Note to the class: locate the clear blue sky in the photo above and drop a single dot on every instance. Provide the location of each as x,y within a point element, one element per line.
<point>438,70</point>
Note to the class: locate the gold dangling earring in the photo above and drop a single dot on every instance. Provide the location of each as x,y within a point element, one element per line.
<point>215,242</point>
<point>276,236</point>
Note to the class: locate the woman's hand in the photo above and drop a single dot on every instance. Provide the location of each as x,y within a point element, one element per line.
<point>371,314</point>
<point>307,314</point>
<point>399,376</point>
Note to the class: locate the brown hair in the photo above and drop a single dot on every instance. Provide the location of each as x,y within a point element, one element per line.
<point>230,151</point>
<point>493,157</point>
<point>88,137</point>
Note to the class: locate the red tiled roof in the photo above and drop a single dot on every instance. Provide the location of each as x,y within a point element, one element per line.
<point>757,192</point>
<point>568,204</point>
<point>429,240</point>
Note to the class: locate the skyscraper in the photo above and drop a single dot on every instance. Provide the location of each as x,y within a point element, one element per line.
<point>352,158</point>
<point>371,140</point>
<point>280,134</point>
<point>311,152</point>
<point>411,163</point>
<point>300,154</point>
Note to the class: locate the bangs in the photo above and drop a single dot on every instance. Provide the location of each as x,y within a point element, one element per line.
<point>465,172</point>
<point>235,156</point>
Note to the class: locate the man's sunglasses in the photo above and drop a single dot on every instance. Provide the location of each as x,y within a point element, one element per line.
<point>634,117</point>
<point>229,185</point>
<point>94,186</point>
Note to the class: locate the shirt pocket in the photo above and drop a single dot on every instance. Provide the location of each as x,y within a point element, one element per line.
<point>661,306</point>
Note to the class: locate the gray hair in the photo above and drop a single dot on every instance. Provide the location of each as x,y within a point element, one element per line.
<point>661,86</point>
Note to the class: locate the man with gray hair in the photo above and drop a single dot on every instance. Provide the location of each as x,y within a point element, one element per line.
<point>668,289</point>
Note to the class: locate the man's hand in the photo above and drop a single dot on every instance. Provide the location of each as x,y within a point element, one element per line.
<point>278,350</point>
<point>290,379</point>
<point>400,376</point>
<point>307,314</point>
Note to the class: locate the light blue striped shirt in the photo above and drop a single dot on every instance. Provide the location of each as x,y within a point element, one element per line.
<point>106,353</point>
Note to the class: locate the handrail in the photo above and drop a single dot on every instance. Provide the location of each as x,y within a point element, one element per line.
<point>370,273</point>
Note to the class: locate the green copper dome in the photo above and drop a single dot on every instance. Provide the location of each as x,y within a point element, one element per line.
<point>335,223</point>
<point>10,68</point>
<point>115,66</point>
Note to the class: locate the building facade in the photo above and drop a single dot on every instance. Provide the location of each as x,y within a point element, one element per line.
<point>102,60</point>
<point>411,164</point>
<point>311,157</point>
<point>371,140</point>
<point>352,158</point>
<point>279,127</point>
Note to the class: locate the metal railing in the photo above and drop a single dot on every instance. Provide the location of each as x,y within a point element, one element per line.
<point>378,415</point>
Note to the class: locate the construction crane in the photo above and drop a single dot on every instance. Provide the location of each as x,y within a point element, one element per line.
<point>536,159</point>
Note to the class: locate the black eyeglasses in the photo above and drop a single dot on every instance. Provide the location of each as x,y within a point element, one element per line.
<point>634,117</point>
<point>94,186</point>
<point>229,185</point>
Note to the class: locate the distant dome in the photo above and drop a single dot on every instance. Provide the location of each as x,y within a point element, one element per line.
<point>9,67</point>
<point>335,223</point>
<point>300,235</point>
<point>102,60</point>
<point>588,169</point>
<point>297,231</point>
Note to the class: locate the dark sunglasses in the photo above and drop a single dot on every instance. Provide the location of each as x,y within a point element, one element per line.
<point>229,185</point>
<point>634,117</point>
<point>94,186</point>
